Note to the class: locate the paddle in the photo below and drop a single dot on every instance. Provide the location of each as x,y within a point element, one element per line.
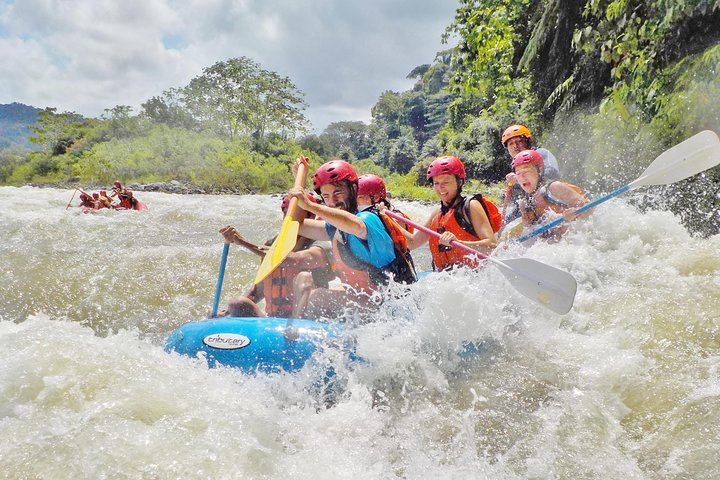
<point>696,154</point>
<point>508,194</point>
<point>221,276</point>
<point>549,286</point>
<point>71,199</point>
<point>286,239</point>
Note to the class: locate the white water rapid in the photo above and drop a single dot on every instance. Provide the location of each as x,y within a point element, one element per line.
<point>625,386</point>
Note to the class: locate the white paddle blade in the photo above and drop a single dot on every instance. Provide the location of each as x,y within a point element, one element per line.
<point>696,154</point>
<point>549,286</point>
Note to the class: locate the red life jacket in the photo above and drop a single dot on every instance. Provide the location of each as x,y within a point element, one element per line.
<point>457,221</point>
<point>125,201</point>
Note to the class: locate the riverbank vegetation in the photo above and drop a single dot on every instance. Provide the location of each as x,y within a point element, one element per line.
<point>605,85</point>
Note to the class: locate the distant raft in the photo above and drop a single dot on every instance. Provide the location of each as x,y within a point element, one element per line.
<point>255,345</point>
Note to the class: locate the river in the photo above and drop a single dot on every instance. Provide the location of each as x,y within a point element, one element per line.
<point>625,386</point>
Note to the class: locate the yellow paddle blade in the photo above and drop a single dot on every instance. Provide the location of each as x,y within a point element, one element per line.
<point>281,247</point>
<point>286,239</point>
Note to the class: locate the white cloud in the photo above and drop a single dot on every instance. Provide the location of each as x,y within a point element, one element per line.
<point>89,55</point>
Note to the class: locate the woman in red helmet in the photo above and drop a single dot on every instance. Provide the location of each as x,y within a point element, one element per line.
<point>307,264</point>
<point>517,138</point>
<point>466,221</point>
<point>363,252</point>
<point>372,191</point>
<point>540,198</point>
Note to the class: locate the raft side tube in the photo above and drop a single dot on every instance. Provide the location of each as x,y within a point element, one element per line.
<point>264,345</point>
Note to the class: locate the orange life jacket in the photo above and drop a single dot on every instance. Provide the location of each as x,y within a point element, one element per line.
<point>445,257</point>
<point>351,271</point>
<point>406,226</point>
<point>403,267</point>
<point>278,290</point>
<point>457,221</point>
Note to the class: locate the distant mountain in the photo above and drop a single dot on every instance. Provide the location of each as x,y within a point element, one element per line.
<point>15,120</point>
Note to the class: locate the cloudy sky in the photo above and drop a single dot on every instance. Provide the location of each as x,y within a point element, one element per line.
<point>89,55</point>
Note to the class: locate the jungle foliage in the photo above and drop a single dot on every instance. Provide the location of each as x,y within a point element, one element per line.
<point>606,85</point>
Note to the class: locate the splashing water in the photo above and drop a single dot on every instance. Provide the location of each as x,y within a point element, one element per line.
<point>627,385</point>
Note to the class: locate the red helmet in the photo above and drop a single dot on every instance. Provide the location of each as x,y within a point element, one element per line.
<point>333,171</point>
<point>516,131</point>
<point>285,203</point>
<point>96,195</point>
<point>529,157</point>
<point>370,184</point>
<point>117,183</point>
<point>103,193</point>
<point>84,196</point>
<point>446,166</point>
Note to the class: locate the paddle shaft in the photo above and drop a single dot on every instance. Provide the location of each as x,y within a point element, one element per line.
<point>549,286</point>
<point>71,199</point>
<point>221,276</point>
<point>578,211</point>
<point>433,233</point>
<point>690,157</point>
<point>508,194</point>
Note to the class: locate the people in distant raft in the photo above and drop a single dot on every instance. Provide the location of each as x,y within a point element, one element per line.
<point>104,200</point>
<point>86,201</point>
<point>541,200</point>
<point>517,138</point>
<point>126,198</point>
<point>304,268</point>
<point>472,221</point>
<point>364,253</point>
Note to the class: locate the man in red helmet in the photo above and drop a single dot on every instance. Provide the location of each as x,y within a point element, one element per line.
<point>307,264</point>
<point>540,199</point>
<point>363,251</point>
<point>517,138</point>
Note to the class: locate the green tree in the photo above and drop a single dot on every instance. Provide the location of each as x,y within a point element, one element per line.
<point>239,97</point>
<point>348,137</point>
<point>120,123</point>
<point>404,152</point>
<point>57,132</point>
<point>169,110</point>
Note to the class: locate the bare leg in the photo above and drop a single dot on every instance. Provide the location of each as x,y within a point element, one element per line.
<point>302,286</point>
<point>244,307</point>
<point>332,304</point>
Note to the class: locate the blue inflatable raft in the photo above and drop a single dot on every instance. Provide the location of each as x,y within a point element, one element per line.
<point>255,345</point>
